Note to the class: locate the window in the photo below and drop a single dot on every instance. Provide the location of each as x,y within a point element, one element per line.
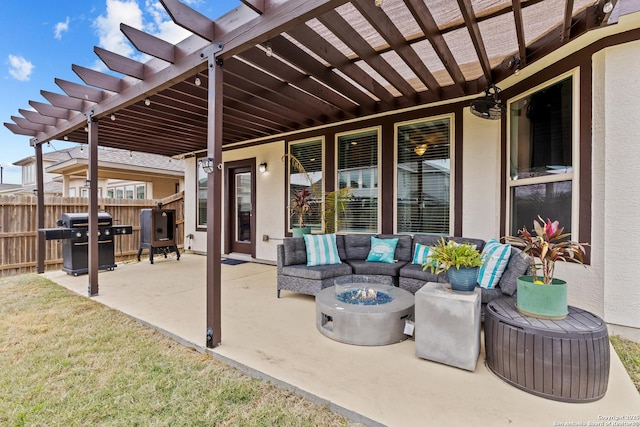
<point>423,176</point>
<point>201,191</point>
<point>140,193</point>
<point>309,155</point>
<point>72,191</point>
<point>358,171</point>
<point>111,193</point>
<point>541,170</point>
<point>84,192</point>
<point>119,193</point>
<point>129,192</point>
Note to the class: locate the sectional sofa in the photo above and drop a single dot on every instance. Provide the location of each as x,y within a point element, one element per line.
<point>293,273</point>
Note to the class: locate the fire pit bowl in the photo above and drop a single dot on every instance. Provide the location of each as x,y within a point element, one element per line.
<point>376,317</point>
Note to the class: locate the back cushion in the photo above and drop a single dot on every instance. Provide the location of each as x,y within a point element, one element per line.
<point>340,244</point>
<point>357,246</point>
<point>426,239</point>
<point>404,249</point>
<point>478,242</point>
<point>295,251</point>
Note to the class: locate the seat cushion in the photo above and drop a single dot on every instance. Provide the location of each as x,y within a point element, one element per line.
<point>357,246</point>
<point>414,271</point>
<point>488,295</point>
<point>317,272</point>
<point>376,268</point>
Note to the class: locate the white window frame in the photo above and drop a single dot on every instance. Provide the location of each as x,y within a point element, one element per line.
<point>572,176</point>
<point>452,152</point>
<point>378,130</point>
<point>320,138</point>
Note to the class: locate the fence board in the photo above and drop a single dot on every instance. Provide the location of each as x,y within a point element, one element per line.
<point>18,228</point>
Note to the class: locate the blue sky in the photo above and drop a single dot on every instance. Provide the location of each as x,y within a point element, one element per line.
<point>41,39</point>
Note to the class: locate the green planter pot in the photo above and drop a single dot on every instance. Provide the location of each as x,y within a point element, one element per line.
<point>301,231</point>
<point>463,279</point>
<point>542,301</point>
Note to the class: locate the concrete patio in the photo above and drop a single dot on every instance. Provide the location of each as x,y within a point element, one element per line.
<point>276,339</point>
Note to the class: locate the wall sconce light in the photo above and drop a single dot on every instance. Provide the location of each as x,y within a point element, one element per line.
<point>607,7</point>
<point>208,164</point>
<point>262,167</point>
<point>269,50</point>
<point>420,149</point>
<point>35,191</point>
<point>197,81</point>
<point>147,102</point>
<point>87,183</point>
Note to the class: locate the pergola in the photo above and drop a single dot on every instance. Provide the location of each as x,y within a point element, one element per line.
<point>271,67</point>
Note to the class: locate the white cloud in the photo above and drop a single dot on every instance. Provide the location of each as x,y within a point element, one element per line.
<point>152,20</point>
<point>20,68</point>
<point>61,27</point>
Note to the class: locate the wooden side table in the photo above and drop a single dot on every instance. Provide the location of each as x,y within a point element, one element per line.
<point>565,360</point>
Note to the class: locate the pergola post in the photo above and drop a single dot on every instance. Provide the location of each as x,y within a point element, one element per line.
<point>214,200</point>
<point>40,241</point>
<point>92,127</point>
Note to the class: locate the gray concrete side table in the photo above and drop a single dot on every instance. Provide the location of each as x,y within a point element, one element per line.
<point>447,325</point>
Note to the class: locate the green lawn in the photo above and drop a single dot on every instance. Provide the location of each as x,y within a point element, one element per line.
<point>69,361</point>
<point>629,353</point>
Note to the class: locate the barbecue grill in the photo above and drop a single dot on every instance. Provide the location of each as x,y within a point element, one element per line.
<point>73,230</point>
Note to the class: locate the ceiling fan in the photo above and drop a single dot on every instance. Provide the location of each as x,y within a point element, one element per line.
<point>489,106</point>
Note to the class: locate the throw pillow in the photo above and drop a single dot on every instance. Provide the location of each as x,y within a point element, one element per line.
<point>421,254</point>
<point>382,250</point>
<point>519,264</point>
<point>321,249</point>
<point>495,257</point>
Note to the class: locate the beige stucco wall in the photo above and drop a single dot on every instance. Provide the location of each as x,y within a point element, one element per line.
<point>270,203</point>
<point>616,189</point>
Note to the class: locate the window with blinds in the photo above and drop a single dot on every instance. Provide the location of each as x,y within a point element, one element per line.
<point>423,176</point>
<point>358,171</point>
<point>307,174</point>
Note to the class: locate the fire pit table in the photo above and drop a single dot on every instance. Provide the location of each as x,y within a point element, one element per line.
<point>364,310</point>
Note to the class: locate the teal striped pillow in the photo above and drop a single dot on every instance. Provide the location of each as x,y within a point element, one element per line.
<point>321,249</point>
<point>421,254</point>
<point>495,257</point>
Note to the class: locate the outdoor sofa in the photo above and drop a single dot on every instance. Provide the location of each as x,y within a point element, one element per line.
<point>293,273</point>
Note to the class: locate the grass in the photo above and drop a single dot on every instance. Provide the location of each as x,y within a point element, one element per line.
<point>629,353</point>
<point>67,360</point>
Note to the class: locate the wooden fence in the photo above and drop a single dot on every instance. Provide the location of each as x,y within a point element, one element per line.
<point>18,227</point>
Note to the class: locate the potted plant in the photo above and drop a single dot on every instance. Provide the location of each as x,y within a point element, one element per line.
<point>301,204</point>
<point>544,296</point>
<point>463,256</point>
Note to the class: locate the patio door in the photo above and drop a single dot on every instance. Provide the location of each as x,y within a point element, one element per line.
<point>240,189</point>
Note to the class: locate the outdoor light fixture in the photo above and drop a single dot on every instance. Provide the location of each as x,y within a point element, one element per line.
<point>87,183</point>
<point>197,81</point>
<point>378,3</point>
<point>66,138</point>
<point>489,106</point>
<point>420,149</point>
<point>113,117</point>
<point>608,7</point>
<point>514,64</point>
<point>262,167</point>
<point>81,148</point>
<point>147,102</point>
<point>208,164</point>
<point>269,50</point>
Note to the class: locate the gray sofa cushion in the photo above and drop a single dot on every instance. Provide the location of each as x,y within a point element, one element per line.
<point>357,246</point>
<point>404,248</point>
<point>382,268</point>
<point>340,244</point>
<point>519,264</point>
<point>432,239</point>
<point>295,251</point>
<point>317,272</point>
<point>414,271</point>
<point>478,242</point>
<point>488,295</point>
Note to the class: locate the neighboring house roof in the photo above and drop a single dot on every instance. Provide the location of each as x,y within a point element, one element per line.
<point>51,187</point>
<point>77,158</point>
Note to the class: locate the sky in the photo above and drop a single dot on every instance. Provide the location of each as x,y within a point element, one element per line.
<point>41,39</point>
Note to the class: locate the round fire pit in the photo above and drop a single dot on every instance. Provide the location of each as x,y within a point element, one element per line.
<point>362,311</point>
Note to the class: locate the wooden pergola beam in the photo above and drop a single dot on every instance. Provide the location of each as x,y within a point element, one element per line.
<point>568,16</point>
<point>64,101</point>
<point>121,64</point>
<point>189,19</point>
<point>19,130</point>
<point>79,91</point>
<point>466,8</point>
<point>50,110</point>
<point>149,44</point>
<point>519,22</point>
<point>98,79</point>
<point>35,117</point>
